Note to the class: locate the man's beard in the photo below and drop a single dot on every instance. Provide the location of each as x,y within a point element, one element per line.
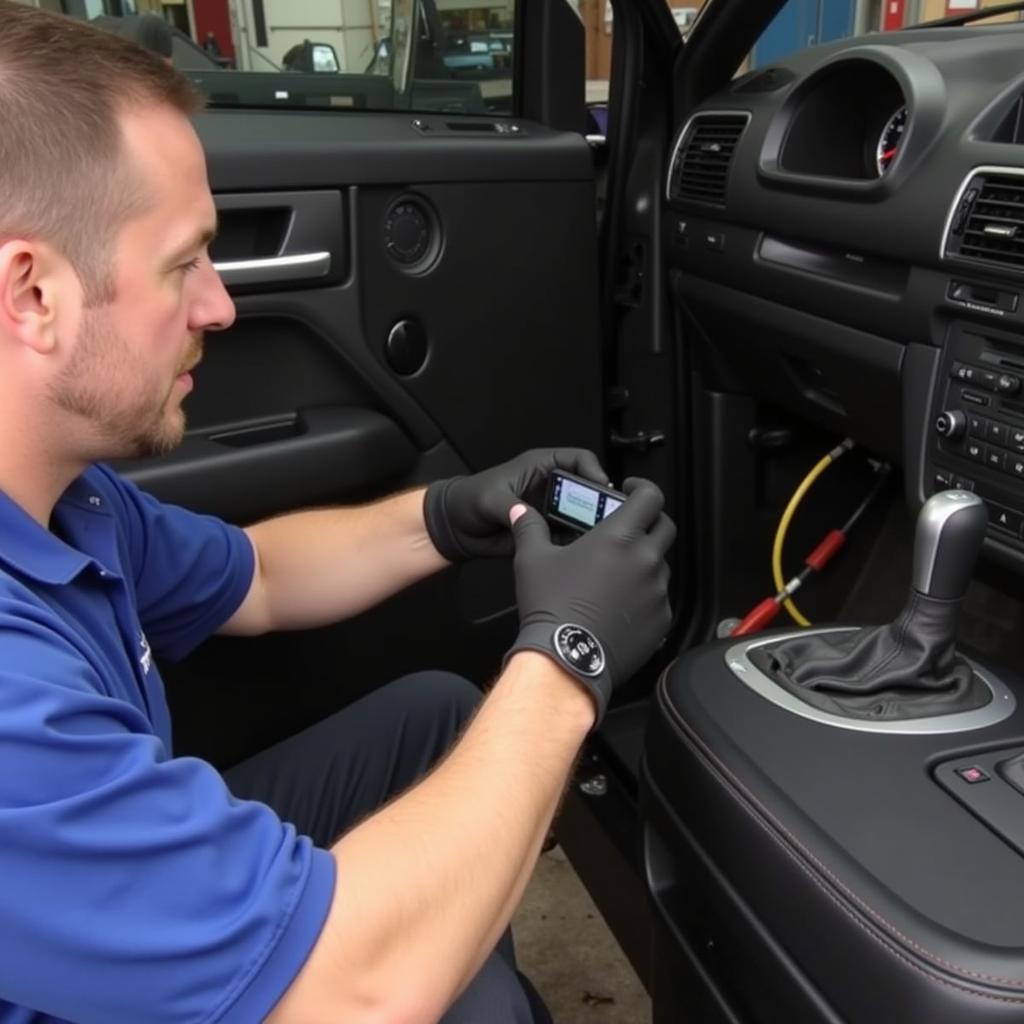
<point>140,426</point>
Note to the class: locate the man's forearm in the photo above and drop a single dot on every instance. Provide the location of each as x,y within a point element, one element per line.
<point>427,885</point>
<point>317,567</point>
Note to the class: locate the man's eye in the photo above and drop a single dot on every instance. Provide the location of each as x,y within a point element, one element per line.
<point>191,265</point>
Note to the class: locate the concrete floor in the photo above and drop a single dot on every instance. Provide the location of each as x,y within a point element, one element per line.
<point>566,949</point>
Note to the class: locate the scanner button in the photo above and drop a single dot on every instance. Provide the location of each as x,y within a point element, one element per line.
<point>972,774</point>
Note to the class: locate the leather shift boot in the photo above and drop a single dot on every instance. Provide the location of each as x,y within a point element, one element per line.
<point>904,670</point>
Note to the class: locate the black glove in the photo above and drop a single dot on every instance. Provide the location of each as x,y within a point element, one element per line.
<point>467,516</point>
<point>598,606</point>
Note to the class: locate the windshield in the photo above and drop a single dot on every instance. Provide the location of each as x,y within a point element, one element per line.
<point>799,24</point>
<point>802,23</point>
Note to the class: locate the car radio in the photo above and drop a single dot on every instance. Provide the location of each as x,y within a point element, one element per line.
<point>978,426</point>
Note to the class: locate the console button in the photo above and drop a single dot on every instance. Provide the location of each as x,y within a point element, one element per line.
<point>987,379</point>
<point>1015,465</point>
<point>1008,384</point>
<point>973,397</point>
<point>972,774</point>
<point>996,459</point>
<point>1004,518</point>
<point>714,240</point>
<point>977,426</point>
<point>962,372</point>
<point>974,450</point>
<point>998,433</point>
<point>943,480</point>
<point>961,483</point>
<point>1017,439</point>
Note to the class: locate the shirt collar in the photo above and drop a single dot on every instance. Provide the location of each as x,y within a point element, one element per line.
<point>39,554</point>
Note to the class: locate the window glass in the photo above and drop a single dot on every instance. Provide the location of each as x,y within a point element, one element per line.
<point>422,55</point>
<point>598,20</point>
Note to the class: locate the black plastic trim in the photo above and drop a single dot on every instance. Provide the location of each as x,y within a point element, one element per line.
<point>332,450</point>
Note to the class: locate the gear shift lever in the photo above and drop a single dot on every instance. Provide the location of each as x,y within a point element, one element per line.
<point>949,533</point>
<point>909,668</point>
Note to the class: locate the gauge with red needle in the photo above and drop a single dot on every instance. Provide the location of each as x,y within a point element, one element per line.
<point>890,139</point>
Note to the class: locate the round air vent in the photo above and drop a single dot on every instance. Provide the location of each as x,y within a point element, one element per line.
<point>411,234</point>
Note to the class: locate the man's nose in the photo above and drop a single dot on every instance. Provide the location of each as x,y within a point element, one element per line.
<point>213,309</point>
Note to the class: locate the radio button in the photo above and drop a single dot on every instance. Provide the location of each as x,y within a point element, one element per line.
<point>987,379</point>
<point>1004,518</point>
<point>996,459</point>
<point>1017,439</point>
<point>1015,465</point>
<point>977,426</point>
<point>1008,384</point>
<point>973,397</point>
<point>998,433</point>
<point>974,450</point>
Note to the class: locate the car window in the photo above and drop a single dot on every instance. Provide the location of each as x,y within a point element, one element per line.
<point>420,55</point>
<point>599,22</point>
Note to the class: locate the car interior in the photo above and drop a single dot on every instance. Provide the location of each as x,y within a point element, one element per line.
<point>789,294</point>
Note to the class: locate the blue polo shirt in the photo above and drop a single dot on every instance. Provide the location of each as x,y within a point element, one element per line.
<point>133,886</point>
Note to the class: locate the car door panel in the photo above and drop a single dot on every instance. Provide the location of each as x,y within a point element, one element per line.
<point>299,403</point>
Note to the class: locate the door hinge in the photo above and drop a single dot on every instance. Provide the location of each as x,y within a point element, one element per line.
<point>642,441</point>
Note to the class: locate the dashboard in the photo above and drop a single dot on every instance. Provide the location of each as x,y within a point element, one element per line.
<point>845,236</point>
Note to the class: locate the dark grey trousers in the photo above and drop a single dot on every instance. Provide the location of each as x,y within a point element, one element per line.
<point>329,777</point>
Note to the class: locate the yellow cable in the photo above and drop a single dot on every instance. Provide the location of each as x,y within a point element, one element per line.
<point>787,518</point>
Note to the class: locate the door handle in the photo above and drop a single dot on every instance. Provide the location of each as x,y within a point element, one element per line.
<point>275,269</point>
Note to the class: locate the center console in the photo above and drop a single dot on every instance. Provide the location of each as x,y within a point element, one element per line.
<point>834,819</point>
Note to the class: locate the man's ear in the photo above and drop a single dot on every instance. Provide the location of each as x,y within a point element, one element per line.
<point>30,276</point>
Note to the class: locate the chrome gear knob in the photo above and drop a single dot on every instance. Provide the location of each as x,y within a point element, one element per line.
<point>950,530</point>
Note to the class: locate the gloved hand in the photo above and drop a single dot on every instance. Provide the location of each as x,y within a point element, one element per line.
<point>467,516</point>
<point>598,606</point>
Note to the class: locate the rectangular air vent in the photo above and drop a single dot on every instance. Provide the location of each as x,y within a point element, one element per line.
<point>703,154</point>
<point>988,224</point>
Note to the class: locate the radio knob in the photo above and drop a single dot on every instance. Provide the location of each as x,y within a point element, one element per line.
<point>951,424</point>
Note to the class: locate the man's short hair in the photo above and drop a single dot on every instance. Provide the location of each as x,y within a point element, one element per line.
<point>64,177</point>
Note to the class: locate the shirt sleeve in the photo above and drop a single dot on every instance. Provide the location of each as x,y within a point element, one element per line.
<point>135,887</point>
<point>191,572</point>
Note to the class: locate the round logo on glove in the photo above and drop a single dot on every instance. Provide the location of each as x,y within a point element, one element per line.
<point>579,649</point>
